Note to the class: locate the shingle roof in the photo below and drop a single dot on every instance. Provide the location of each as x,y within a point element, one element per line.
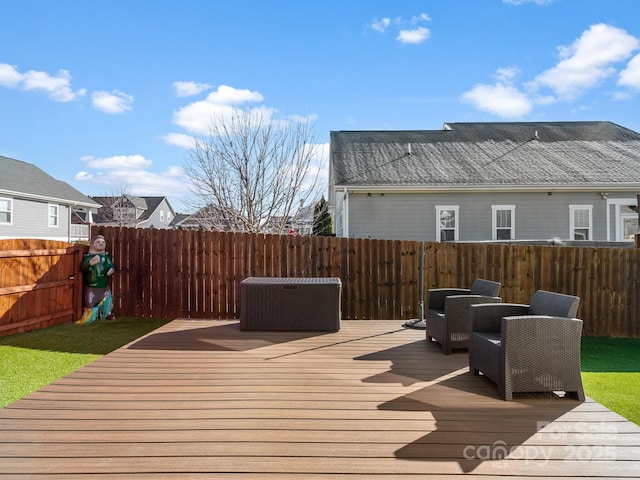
<point>148,205</point>
<point>22,178</point>
<point>500,154</point>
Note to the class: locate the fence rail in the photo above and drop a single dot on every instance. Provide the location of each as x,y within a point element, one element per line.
<point>197,274</point>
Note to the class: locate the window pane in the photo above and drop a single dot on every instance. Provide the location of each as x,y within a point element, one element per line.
<point>581,219</point>
<point>630,227</point>
<point>447,235</point>
<point>53,215</point>
<point>581,234</point>
<point>5,217</point>
<point>503,218</point>
<point>503,234</point>
<point>448,219</point>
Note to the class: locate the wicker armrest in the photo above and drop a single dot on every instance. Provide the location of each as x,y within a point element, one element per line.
<point>437,296</point>
<point>487,317</point>
<point>550,332</point>
<point>455,304</point>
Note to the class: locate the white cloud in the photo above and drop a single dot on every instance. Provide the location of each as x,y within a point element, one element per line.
<point>408,32</point>
<point>423,17</point>
<point>630,76</point>
<point>112,102</point>
<point>582,66</point>
<point>381,25</point>
<point>9,75</point>
<point>499,99</point>
<point>125,162</point>
<point>187,89</point>
<point>132,170</point>
<point>417,35</point>
<point>226,95</point>
<point>586,62</point>
<point>196,117</point>
<point>507,74</point>
<point>58,86</point>
<point>179,140</point>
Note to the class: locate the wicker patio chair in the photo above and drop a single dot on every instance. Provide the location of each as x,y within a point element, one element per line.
<point>528,348</point>
<point>447,319</point>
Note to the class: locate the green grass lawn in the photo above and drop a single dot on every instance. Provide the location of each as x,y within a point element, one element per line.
<point>29,361</point>
<point>611,374</point>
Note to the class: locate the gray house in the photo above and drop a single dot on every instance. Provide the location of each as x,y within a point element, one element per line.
<point>33,204</point>
<point>133,211</point>
<point>487,181</point>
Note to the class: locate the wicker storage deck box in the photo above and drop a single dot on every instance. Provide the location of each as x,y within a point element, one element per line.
<point>290,304</point>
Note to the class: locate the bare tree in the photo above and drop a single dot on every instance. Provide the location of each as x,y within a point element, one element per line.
<point>251,173</point>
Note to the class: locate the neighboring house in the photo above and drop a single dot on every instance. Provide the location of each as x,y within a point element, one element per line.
<point>487,181</point>
<point>207,218</point>
<point>132,211</point>
<point>33,204</point>
<point>215,219</point>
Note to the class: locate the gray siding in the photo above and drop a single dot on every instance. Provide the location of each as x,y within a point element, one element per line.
<point>160,218</point>
<point>538,216</point>
<point>30,219</point>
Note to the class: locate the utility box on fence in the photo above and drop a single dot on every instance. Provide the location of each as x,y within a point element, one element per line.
<point>290,304</point>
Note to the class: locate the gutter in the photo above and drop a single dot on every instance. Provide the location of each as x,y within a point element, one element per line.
<point>46,198</point>
<point>616,187</point>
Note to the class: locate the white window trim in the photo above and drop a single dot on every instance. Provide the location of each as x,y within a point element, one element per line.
<point>617,202</point>
<point>456,230</point>
<point>10,200</point>
<point>494,223</point>
<point>57,216</point>
<point>572,227</point>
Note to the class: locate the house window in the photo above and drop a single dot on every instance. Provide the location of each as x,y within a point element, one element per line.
<point>6,208</point>
<point>447,223</point>
<point>53,215</point>
<point>580,221</point>
<point>162,216</point>
<point>503,224</point>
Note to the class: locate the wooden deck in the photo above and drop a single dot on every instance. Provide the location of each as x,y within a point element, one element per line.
<point>201,399</point>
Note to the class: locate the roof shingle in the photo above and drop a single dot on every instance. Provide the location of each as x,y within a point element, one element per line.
<point>501,154</point>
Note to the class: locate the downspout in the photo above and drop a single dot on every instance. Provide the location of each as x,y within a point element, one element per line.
<point>345,214</point>
<point>69,223</point>
<point>421,283</point>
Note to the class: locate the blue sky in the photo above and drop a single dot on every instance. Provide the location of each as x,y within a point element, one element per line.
<point>106,95</point>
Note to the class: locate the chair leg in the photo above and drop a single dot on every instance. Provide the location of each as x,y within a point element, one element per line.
<point>577,395</point>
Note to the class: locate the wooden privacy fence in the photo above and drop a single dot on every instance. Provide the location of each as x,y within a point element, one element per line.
<point>40,285</point>
<point>197,274</point>
<point>175,273</point>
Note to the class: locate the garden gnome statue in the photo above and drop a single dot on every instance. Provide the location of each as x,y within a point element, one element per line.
<point>97,266</point>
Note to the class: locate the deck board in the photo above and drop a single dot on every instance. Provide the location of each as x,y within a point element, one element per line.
<point>202,399</point>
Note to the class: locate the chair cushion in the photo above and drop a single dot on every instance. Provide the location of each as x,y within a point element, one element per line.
<point>553,304</point>
<point>493,338</point>
<point>485,288</point>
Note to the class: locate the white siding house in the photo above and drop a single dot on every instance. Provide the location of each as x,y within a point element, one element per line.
<point>133,211</point>
<point>518,181</point>
<point>33,204</point>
